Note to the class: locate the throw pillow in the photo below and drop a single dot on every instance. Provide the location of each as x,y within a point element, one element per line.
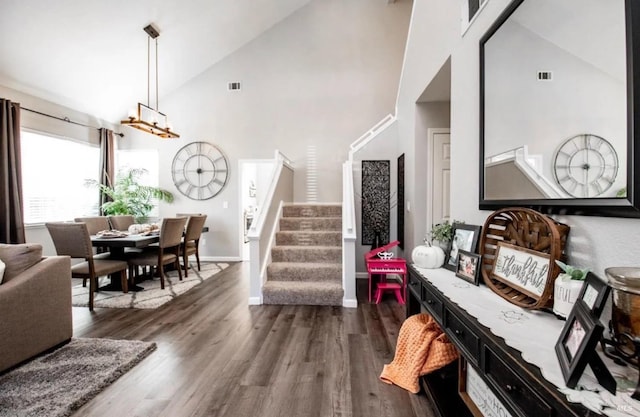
<point>2,267</point>
<point>18,258</point>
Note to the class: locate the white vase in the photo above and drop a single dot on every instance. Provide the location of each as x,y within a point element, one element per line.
<point>565,294</point>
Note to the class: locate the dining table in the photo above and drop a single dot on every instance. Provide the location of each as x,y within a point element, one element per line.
<point>117,245</point>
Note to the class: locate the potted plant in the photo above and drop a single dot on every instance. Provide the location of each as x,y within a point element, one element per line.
<point>128,196</point>
<point>567,287</point>
<point>443,232</point>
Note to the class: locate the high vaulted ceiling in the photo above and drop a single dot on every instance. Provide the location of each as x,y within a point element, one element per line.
<point>91,55</point>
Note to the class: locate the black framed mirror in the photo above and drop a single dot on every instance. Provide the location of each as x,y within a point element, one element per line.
<point>557,117</point>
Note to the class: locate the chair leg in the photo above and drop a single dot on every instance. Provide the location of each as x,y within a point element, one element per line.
<point>179,269</point>
<point>185,262</point>
<point>123,281</point>
<point>198,258</point>
<point>161,272</point>
<point>93,283</point>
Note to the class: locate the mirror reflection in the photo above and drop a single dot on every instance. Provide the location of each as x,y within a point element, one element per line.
<point>555,102</point>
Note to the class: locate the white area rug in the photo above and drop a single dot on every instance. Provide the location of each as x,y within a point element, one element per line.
<point>152,296</point>
<point>60,382</point>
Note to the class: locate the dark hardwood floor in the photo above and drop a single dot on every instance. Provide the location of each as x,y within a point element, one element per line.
<point>217,356</point>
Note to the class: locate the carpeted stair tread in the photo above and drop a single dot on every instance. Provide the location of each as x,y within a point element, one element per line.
<point>309,238</point>
<point>306,261</point>
<point>305,272</point>
<point>302,293</point>
<point>305,210</point>
<point>331,254</point>
<point>311,223</point>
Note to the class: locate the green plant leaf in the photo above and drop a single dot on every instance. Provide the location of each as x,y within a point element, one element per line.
<point>128,196</point>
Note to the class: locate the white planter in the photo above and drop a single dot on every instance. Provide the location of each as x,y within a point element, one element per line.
<point>565,294</point>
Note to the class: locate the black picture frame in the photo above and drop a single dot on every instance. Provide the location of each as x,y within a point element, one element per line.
<point>463,237</point>
<point>593,294</point>
<point>468,266</point>
<point>575,347</point>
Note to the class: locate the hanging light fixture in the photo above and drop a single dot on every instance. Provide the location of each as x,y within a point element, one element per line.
<point>147,118</point>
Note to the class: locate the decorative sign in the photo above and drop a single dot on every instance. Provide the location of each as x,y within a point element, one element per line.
<point>524,269</point>
<point>483,398</point>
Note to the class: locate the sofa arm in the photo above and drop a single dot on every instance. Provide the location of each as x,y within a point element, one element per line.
<point>35,310</point>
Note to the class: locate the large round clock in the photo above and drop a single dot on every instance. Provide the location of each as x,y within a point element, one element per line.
<point>200,170</point>
<point>585,166</point>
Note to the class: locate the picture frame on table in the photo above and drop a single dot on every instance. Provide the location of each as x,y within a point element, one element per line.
<point>468,266</point>
<point>594,294</point>
<point>463,237</point>
<point>575,348</point>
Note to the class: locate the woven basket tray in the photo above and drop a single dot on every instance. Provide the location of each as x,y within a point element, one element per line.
<point>528,229</point>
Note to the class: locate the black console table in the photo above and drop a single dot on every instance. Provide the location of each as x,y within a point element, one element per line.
<point>519,386</point>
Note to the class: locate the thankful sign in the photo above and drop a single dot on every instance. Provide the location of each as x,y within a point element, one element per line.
<point>522,268</point>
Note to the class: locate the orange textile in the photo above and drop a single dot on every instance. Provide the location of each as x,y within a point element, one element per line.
<point>422,348</point>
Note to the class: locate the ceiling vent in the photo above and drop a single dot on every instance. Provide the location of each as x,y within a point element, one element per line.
<point>234,86</point>
<point>545,75</point>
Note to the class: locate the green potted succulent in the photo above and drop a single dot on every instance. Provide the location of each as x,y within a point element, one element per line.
<point>567,287</point>
<point>128,196</point>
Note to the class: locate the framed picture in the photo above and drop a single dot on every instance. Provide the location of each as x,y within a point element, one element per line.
<point>576,345</point>
<point>464,237</point>
<point>468,266</point>
<point>521,268</point>
<point>594,294</point>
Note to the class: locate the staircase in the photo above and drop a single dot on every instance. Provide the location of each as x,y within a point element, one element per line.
<point>306,261</point>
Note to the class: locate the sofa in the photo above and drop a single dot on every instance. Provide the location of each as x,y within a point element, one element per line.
<point>35,303</point>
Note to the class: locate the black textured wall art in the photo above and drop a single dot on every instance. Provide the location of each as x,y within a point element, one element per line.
<point>400,206</point>
<point>376,187</point>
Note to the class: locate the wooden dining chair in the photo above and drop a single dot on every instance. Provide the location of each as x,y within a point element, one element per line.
<point>73,240</point>
<point>167,252</point>
<point>121,222</point>
<point>191,240</point>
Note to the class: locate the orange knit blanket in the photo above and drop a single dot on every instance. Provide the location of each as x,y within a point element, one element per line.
<point>422,348</point>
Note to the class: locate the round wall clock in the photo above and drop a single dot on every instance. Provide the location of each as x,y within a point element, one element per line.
<point>585,166</point>
<point>200,170</point>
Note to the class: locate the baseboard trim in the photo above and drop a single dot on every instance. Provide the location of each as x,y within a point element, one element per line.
<point>255,301</point>
<point>350,303</point>
<point>219,258</point>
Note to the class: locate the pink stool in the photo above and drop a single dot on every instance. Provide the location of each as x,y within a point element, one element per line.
<point>389,286</point>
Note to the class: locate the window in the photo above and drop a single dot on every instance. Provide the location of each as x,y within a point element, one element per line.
<point>53,175</point>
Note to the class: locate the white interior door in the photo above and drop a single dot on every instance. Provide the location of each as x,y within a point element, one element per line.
<point>441,163</point>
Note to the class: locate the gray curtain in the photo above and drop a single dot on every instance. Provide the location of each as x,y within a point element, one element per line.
<point>107,163</point>
<point>11,211</point>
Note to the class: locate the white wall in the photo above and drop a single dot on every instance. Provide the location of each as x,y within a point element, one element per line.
<point>321,77</point>
<point>594,242</point>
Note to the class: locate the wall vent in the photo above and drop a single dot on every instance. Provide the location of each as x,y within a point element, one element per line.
<point>545,75</point>
<point>233,86</point>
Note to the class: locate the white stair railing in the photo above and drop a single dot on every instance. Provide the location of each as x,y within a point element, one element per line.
<point>529,165</point>
<point>349,237</point>
<point>349,226</point>
<point>370,134</point>
<point>280,191</point>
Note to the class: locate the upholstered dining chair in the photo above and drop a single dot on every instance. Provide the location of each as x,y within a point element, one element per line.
<point>121,222</point>
<point>191,240</point>
<point>167,252</point>
<point>73,240</point>
<point>95,224</point>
